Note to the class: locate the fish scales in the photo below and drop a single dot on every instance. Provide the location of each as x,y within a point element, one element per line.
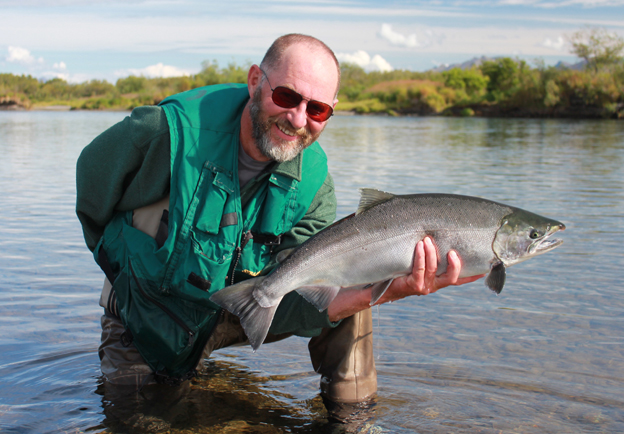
<point>393,227</point>
<point>377,245</point>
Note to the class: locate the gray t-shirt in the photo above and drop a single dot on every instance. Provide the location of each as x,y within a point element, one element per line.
<point>248,168</point>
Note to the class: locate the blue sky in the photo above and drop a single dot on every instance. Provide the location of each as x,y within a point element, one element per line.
<point>80,40</point>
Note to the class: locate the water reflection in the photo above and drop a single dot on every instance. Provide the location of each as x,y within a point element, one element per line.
<point>544,356</point>
<point>231,398</point>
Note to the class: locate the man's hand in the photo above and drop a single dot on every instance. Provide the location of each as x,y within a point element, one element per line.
<point>423,279</point>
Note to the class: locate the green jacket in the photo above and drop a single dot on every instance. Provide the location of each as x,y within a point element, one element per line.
<point>198,241</point>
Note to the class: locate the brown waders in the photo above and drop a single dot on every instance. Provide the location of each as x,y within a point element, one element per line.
<point>342,355</point>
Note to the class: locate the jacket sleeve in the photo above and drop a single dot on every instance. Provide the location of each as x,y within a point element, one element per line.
<point>295,314</point>
<point>124,168</point>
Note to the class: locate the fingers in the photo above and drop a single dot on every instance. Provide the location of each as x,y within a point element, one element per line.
<point>416,281</point>
<point>425,280</point>
<point>422,279</point>
<point>431,266</point>
<point>451,275</point>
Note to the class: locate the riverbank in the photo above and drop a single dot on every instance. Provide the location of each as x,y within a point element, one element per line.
<point>502,87</point>
<point>475,110</point>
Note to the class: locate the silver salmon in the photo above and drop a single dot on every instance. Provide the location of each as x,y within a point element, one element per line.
<point>376,245</point>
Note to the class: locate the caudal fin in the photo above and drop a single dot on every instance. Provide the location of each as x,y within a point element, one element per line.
<point>239,300</point>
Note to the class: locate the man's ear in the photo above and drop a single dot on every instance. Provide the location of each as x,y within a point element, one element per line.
<point>253,78</point>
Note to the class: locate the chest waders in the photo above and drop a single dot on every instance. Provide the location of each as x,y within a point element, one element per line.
<point>163,284</point>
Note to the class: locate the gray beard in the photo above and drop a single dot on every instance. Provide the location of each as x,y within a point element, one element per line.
<point>260,134</point>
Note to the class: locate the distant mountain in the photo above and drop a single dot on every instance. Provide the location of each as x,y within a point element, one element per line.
<point>576,66</point>
<point>477,61</point>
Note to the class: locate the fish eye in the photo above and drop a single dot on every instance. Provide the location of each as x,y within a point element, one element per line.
<point>534,234</point>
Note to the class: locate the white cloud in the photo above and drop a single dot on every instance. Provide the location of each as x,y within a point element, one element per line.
<point>60,66</point>
<point>158,70</point>
<point>557,44</point>
<point>363,59</point>
<point>22,56</point>
<point>396,38</point>
<point>360,58</point>
<point>49,75</point>
<point>378,63</point>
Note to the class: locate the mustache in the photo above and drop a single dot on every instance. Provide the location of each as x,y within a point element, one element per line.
<point>286,125</point>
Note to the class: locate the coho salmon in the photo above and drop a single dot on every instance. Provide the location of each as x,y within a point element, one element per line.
<point>376,245</point>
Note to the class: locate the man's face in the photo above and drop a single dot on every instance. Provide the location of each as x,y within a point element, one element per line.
<point>280,133</point>
<point>277,148</point>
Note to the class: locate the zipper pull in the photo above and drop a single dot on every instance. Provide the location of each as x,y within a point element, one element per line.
<point>239,251</point>
<point>247,236</point>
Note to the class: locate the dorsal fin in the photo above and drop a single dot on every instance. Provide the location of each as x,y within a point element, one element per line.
<point>369,197</point>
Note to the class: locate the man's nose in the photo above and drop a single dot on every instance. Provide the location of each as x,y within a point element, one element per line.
<point>297,115</point>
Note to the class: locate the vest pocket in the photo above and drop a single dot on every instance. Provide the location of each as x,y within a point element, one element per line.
<point>164,328</point>
<point>212,203</point>
<point>215,221</point>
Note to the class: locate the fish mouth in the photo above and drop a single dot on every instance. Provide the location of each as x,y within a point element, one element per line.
<point>545,244</point>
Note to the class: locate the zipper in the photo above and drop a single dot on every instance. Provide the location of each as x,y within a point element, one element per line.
<point>239,250</point>
<point>164,308</point>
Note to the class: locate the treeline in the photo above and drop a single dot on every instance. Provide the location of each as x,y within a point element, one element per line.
<point>127,93</point>
<point>498,87</point>
<point>495,87</point>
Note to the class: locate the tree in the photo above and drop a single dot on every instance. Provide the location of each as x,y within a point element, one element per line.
<point>131,84</point>
<point>472,81</point>
<point>597,46</point>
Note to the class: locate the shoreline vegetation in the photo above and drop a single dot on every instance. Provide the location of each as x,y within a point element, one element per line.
<point>500,87</point>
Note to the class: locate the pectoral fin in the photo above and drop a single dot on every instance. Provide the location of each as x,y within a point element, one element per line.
<point>496,279</point>
<point>319,296</point>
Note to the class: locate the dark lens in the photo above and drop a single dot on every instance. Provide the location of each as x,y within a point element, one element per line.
<point>286,98</point>
<point>319,111</point>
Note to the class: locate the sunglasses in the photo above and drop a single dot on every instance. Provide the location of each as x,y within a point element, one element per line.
<point>288,98</point>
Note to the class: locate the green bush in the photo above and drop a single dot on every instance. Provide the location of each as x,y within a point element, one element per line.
<point>131,84</point>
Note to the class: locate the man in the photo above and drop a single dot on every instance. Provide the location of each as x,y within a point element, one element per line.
<point>180,200</point>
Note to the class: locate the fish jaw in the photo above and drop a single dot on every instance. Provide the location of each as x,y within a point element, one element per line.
<point>545,244</point>
<point>524,235</point>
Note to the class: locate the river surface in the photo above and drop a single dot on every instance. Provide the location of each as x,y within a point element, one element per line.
<point>546,355</point>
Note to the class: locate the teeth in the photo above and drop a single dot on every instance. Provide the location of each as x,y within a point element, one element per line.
<point>286,131</point>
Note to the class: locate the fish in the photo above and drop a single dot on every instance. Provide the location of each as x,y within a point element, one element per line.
<point>376,244</point>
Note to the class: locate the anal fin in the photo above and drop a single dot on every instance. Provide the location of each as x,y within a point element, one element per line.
<point>320,296</point>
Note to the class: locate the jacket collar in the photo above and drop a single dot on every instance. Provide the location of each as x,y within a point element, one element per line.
<point>291,168</point>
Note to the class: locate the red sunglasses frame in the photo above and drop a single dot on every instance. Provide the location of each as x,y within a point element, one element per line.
<point>287,98</point>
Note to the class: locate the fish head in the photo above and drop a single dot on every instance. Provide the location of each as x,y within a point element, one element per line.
<point>523,235</point>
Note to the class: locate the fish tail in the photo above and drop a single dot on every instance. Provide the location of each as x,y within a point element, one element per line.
<point>239,300</point>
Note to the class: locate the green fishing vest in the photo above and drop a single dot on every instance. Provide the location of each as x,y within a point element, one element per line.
<point>163,290</point>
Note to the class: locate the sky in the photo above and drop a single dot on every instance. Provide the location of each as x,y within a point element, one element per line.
<point>81,40</point>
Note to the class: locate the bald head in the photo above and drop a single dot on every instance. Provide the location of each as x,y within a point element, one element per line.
<point>275,55</point>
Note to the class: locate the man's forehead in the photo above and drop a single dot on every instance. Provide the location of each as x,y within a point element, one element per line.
<point>310,64</point>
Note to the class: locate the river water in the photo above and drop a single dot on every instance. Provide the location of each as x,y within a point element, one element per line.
<point>546,355</point>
